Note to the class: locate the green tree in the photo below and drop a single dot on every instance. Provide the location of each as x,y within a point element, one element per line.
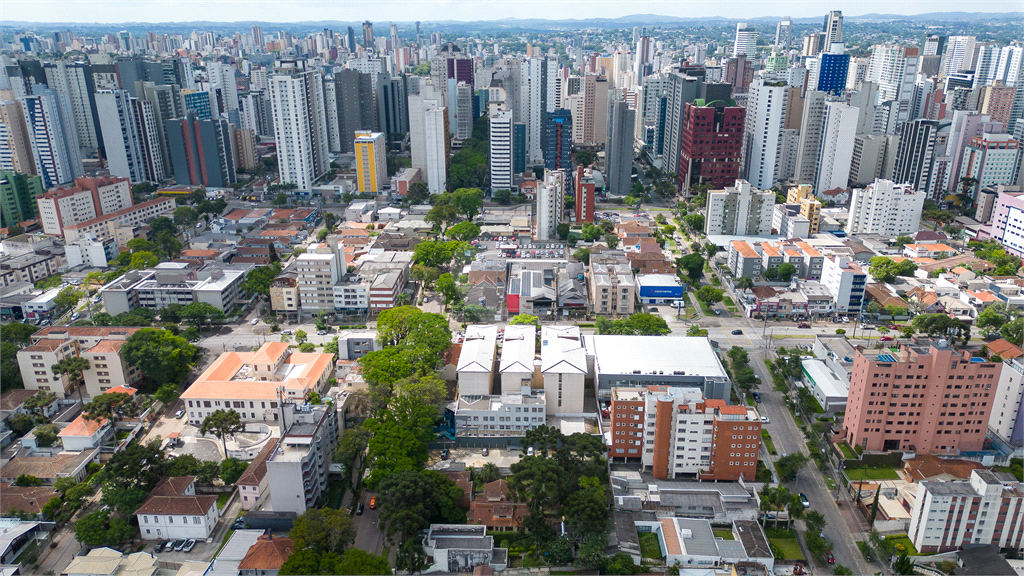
<point>222,423</point>
<point>464,231</point>
<point>582,255</point>
<point>259,280</point>
<point>587,507</point>
<point>442,215</point>
<point>323,530</point>
<point>590,233</point>
<point>488,473</point>
<point>611,240</point>
<point>641,324</point>
<point>425,274</point>
<point>941,325</point>
<point>562,230</point>
<point>886,270</point>
<point>136,466</point>
<point>281,199</point>
<point>902,240</point>
<point>401,433</point>
<point>72,367</point>
<point>695,222</point>
<point>446,286</point>
<point>351,445</point>
<point>330,221</point>
<point>301,336</point>
<point>584,157</point>
<point>27,481</point>
<point>10,373</point>
<point>39,400</point>
<point>524,320</point>
<point>428,388</point>
<point>113,406</point>
<point>410,326</point>
<point>1013,331</point>
<point>68,298</point>
<point>200,314</point>
<point>786,271</point>
<point>789,465</point>
<point>419,193</point>
<point>231,469</point>
<point>411,500</point>
<point>709,294</point>
<point>693,264</point>
<point>18,332</point>
<point>160,355</point>
<point>99,529</point>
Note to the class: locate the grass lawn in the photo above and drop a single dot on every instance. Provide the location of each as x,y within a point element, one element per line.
<point>649,545</point>
<point>789,548</point>
<point>750,401</point>
<point>671,242</point>
<point>872,474</point>
<point>831,483</point>
<point>222,499</point>
<point>769,445</point>
<point>707,309</point>
<point>732,309</point>
<point>847,451</point>
<point>716,281</point>
<point>728,301</point>
<point>723,534</point>
<point>910,549</point>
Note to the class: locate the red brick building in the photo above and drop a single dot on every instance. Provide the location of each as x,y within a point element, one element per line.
<point>711,145</point>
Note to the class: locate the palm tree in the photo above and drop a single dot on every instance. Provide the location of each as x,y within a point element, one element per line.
<point>488,473</point>
<point>745,283</point>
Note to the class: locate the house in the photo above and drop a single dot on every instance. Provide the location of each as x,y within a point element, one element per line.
<point>497,509</point>
<point>927,300</point>
<point>266,556</point>
<point>110,562</point>
<point>173,510</point>
<point>461,548</point>
<point>957,308</point>
<point>27,499</point>
<point>1004,349</point>
<point>650,262</point>
<point>936,250</point>
<point>630,232</point>
<point>979,299</point>
<point>252,484</point>
<point>14,401</point>
<point>50,467</point>
<point>83,434</point>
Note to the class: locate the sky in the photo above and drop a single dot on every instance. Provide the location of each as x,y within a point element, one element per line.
<point>117,11</point>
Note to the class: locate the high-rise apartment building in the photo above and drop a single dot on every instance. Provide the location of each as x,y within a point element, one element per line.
<point>319,269</point>
<point>894,69</point>
<point>371,161</point>
<point>392,108</point>
<point>222,78</point>
<point>151,140</point>
<point>75,80</point>
<point>15,147</point>
<point>885,208</point>
<point>868,159</point>
<point>712,144</point>
<point>300,123</point>
<point>833,28</point>
<point>812,121</point>
<point>839,129</point>
<point>762,136</point>
<point>784,32</point>
<point>167,104</point>
<point>354,103</point>
<point>429,137</point>
<point>49,120</point>
<point>368,36</point>
<point>990,159</point>
<point>297,470</point>
<point>619,149</point>
<point>501,149</point>
<point>535,99</point>
<point>558,140</point>
<point>18,194</point>
<point>948,399</point>
<point>959,54</point>
<point>919,147</point>
<point>121,134</point>
<point>200,151</point>
<point>739,210</point>
<point>679,434</point>
<point>550,204</point>
<point>997,103</point>
<point>585,190</point>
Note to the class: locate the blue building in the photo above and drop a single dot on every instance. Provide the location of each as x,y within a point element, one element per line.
<point>558,140</point>
<point>518,148</point>
<point>832,72</point>
<point>198,103</point>
<point>659,288</point>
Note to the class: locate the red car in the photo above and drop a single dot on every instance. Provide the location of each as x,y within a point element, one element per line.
<point>803,325</point>
<point>886,338</point>
<point>831,559</point>
<point>894,327</point>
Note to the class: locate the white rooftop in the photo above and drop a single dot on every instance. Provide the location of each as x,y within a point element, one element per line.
<point>669,355</point>
<point>562,351</point>
<point>478,349</point>
<point>657,280</point>
<point>518,348</point>
<point>831,386</point>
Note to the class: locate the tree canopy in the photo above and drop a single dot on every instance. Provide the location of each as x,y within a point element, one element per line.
<point>886,269</point>
<point>160,355</point>
<point>641,324</point>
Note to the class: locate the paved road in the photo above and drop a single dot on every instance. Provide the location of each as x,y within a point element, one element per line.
<point>368,534</point>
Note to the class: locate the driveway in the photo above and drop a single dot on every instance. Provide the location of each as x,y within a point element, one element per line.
<point>202,448</point>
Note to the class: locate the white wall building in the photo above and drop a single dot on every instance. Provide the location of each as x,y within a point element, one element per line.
<point>836,150</point>
<point>319,269</point>
<point>885,208</point>
<point>429,139</point>
<point>297,470</point>
<point>300,123</point>
<point>120,130</point>
<point>501,150</point>
<point>740,210</point>
<point>1007,403</point>
<point>174,511</point>
<point>550,204</point>
<point>991,159</point>
<point>94,253</point>
<point>50,124</point>
<point>745,41</point>
<point>475,369</point>
<point>762,133</point>
<point>564,368</point>
<point>845,282</point>
<point>518,347</point>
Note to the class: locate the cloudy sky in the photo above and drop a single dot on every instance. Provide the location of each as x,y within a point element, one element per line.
<point>115,11</point>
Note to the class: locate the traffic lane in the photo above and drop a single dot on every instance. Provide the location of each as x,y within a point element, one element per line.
<point>367,525</point>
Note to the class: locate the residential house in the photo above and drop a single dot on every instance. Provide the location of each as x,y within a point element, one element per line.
<point>497,509</point>
<point>83,434</point>
<point>266,556</point>
<point>25,499</point>
<point>109,562</point>
<point>174,510</point>
<point>252,484</point>
<point>49,467</point>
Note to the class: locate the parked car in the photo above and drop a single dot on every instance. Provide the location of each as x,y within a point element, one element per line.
<point>255,321</point>
<point>765,420</point>
<point>359,509</point>
<point>373,502</point>
<point>718,312</point>
<point>286,332</point>
<point>804,500</point>
<point>803,325</point>
<point>75,316</point>
<point>737,331</point>
<point>180,545</point>
<point>159,547</point>
<point>757,396</point>
<point>444,453</point>
<point>653,309</point>
<point>321,332</point>
<point>831,559</point>
<point>96,299</point>
<point>887,338</point>
<point>238,524</point>
<point>864,326</point>
<point>485,451</point>
<point>894,327</point>
<point>189,545</point>
<point>179,414</point>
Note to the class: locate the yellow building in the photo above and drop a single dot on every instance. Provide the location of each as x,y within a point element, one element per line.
<point>371,160</point>
<point>810,206</point>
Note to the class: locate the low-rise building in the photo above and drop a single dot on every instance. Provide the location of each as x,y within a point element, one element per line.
<point>175,283</point>
<point>475,368</point>
<point>461,548</point>
<point>110,562</point>
<point>563,368</point>
<point>90,252</point>
<point>49,467</point>
<point>120,224</point>
<point>297,470</point>
<point>174,510</point>
<point>659,288</point>
<point>612,286</point>
<point>266,556</point>
<point>84,434</point>
<point>516,367</point>
<point>507,415</point>
<point>987,509</point>
<point>828,388</point>
<point>497,509</point>
<point>33,266</point>
<point>254,383</point>
<point>253,483</point>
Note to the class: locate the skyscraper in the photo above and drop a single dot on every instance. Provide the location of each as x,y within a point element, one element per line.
<point>354,104</point>
<point>429,137</point>
<point>222,77</point>
<point>392,109</point>
<point>257,37</point>
<point>351,40</point>
<point>712,144</point>
<point>619,149</point>
<point>368,36</point>
<point>15,148</point>
<point>746,40</point>
<point>784,32</point>
<point>167,104</point>
<point>558,140</point>
<point>809,144</point>
<point>151,142</point>
<point>51,133</point>
<point>762,135</point>
<point>501,149</point>
<point>18,197</point>
<point>959,54</point>
<point>300,123</point>
<point>894,69</point>
<point>371,161</point>
<point>833,28</point>
<point>916,153</point>
<point>200,151</point>
<point>536,107</point>
<point>75,80</point>
<point>836,150</point>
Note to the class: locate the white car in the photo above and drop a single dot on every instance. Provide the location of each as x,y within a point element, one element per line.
<point>255,321</point>
<point>199,225</point>
<point>765,420</point>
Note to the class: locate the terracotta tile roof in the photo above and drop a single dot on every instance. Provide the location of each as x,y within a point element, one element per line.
<point>13,399</point>
<point>173,486</point>
<point>762,292</point>
<point>1005,349</point>
<point>668,529</point>
<point>769,249</point>
<point>277,233</point>
<point>496,491</point>
<point>929,466</point>
<point>47,345</point>
<point>178,505</point>
<point>199,253</point>
<point>984,295</point>
<point>834,191</point>
<point>107,346</point>
<point>268,553</point>
<point>217,381</point>
<point>82,427</point>
<point>808,249</point>
<point>882,296</point>
<point>236,214</point>
<point>791,252</point>
<point>451,356</point>
<point>257,469</point>
<point>744,248</point>
<point>76,331</point>
<point>122,390</point>
<point>25,499</point>
<point>38,466</point>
